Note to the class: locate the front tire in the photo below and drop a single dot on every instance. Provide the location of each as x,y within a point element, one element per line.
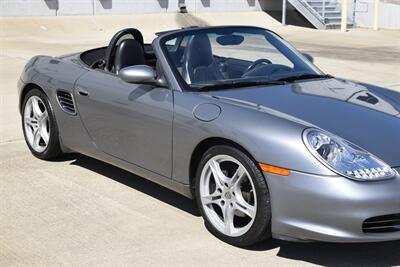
<point>233,196</point>
<point>39,126</point>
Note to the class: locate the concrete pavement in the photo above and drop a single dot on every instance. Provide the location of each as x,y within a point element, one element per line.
<point>79,211</point>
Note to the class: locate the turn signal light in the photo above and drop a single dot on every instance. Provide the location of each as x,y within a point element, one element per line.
<point>274,169</point>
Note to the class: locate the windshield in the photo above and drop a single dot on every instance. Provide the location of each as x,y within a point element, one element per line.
<point>233,56</point>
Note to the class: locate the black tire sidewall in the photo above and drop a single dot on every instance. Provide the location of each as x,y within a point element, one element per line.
<point>53,148</point>
<point>261,227</point>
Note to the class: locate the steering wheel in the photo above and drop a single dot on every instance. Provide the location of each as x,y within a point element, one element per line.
<point>258,62</point>
<point>97,64</point>
<point>269,71</point>
<point>107,61</point>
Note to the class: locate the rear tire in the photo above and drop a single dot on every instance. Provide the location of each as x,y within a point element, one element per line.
<point>235,206</point>
<point>39,126</point>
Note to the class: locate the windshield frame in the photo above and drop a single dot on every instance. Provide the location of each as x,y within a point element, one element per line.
<point>163,39</point>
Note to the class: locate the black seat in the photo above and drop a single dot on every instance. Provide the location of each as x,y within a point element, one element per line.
<point>198,61</point>
<point>128,53</point>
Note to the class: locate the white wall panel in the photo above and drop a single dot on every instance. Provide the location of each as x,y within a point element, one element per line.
<point>28,7</point>
<point>389,14</point>
<point>103,7</point>
<point>75,7</point>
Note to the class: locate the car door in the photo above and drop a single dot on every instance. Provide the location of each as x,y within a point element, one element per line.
<point>132,122</point>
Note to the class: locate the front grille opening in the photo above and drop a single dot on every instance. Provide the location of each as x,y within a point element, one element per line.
<point>382,224</point>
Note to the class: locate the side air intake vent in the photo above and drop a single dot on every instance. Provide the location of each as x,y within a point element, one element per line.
<point>66,102</point>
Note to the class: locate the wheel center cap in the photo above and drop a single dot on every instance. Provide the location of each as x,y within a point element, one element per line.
<point>228,195</point>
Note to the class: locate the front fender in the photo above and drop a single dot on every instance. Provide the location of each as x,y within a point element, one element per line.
<point>51,74</point>
<point>269,136</point>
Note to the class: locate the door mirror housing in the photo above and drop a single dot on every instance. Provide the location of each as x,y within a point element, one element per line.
<point>309,57</point>
<point>141,74</point>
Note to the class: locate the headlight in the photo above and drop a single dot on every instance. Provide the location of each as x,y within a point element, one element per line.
<point>345,158</point>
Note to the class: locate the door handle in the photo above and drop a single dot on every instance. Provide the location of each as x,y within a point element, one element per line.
<point>82,92</point>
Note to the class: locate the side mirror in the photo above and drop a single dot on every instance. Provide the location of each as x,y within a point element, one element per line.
<point>141,74</point>
<point>309,57</point>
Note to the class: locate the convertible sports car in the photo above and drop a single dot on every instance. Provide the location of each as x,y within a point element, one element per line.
<point>234,117</point>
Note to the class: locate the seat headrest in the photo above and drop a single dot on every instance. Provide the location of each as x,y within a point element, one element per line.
<point>200,51</point>
<point>128,53</point>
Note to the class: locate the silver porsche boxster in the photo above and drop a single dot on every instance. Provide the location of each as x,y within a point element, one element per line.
<point>234,117</point>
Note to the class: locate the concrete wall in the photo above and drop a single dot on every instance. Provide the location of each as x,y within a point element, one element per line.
<point>389,17</point>
<point>28,7</point>
<point>389,9</point>
<point>104,7</point>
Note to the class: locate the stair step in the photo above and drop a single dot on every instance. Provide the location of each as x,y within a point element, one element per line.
<point>337,25</point>
<point>331,11</point>
<point>326,7</point>
<point>321,1</point>
<point>314,10</point>
<point>320,4</point>
<point>334,18</point>
<point>331,15</point>
<point>315,4</point>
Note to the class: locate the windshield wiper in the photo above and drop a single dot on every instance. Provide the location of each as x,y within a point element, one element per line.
<point>238,84</point>
<point>304,76</point>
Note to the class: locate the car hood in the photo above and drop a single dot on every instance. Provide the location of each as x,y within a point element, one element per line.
<point>368,117</point>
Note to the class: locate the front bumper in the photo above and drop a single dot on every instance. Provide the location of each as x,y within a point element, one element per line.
<point>331,209</point>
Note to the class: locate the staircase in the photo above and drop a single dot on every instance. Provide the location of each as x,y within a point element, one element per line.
<point>323,14</point>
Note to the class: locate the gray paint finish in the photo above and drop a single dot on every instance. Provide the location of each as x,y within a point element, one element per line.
<point>131,122</point>
<point>312,207</point>
<point>321,103</point>
<point>153,131</point>
<point>206,112</point>
<point>277,141</point>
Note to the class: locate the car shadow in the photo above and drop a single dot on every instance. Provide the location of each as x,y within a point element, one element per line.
<point>135,182</point>
<point>356,254</point>
<point>328,254</point>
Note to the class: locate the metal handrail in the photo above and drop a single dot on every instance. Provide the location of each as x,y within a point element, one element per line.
<point>312,10</point>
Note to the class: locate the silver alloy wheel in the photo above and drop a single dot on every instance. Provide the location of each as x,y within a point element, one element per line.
<point>228,195</point>
<point>36,124</point>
